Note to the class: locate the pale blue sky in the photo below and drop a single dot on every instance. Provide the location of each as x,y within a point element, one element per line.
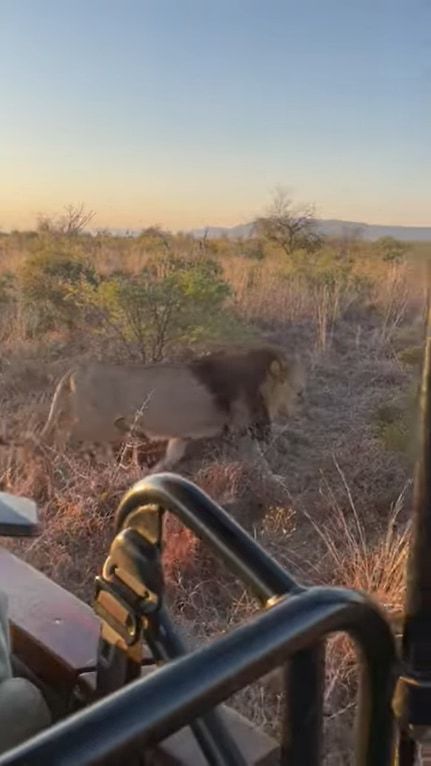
<point>188,112</point>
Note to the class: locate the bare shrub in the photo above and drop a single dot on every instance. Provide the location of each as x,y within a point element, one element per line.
<point>70,223</point>
<point>289,226</point>
<point>356,557</point>
<point>393,297</point>
<point>272,296</point>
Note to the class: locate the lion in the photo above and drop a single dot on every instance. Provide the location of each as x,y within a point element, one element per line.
<point>224,392</point>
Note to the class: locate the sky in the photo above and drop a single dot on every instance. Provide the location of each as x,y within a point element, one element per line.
<point>186,113</point>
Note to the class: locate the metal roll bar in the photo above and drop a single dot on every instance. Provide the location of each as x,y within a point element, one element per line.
<point>146,711</point>
<point>291,630</point>
<point>413,694</point>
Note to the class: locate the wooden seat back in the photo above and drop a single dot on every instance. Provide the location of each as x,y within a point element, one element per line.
<point>56,635</point>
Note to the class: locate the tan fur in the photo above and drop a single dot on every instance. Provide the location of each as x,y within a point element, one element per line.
<point>173,402</point>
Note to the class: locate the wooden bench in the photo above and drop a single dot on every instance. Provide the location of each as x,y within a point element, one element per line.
<point>53,632</point>
<point>55,635</point>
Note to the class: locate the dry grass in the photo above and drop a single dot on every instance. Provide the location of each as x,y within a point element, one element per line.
<point>371,563</point>
<point>330,503</point>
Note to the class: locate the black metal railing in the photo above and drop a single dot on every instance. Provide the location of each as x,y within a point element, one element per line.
<point>413,695</point>
<point>146,711</point>
<point>290,631</point>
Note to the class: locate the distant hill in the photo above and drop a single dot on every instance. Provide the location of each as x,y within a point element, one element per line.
<point>332,228</point>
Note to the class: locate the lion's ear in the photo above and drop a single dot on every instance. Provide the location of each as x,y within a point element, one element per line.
<point>121,424</point>
<point>275,368</point>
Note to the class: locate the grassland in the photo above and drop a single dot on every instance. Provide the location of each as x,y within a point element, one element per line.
<point>335,508</point>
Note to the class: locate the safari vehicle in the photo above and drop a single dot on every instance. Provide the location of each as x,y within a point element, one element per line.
<point>122,688</point>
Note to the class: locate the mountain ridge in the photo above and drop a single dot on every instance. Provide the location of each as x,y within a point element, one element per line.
<point>331,227</point>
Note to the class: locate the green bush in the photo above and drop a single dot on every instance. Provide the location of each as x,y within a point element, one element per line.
<point>8,304</point>
<point>396,424</point>
<point>7,288</point>
<point>390,249</point>
<point>172,302</point>
<point>324,267</point>
<point>47,278</point>
<point>413,355</point>
<point>253,249</point>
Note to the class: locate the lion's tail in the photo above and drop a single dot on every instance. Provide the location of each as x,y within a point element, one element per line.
<point>58,406</point>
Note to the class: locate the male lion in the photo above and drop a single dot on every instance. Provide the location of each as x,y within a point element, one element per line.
<point>176,402</point>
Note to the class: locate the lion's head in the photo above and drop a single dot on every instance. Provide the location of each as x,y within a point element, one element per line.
<point>283,388</point>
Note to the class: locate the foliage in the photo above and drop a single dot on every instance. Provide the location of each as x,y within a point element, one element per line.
<point>413,355</point>
<point>220,247</point>
<point>155,239</point>
<point>324,266</point>
<point>46,281</point>
<point>8,298</point>
<point>290,227</point>
<point>390,249</point>
<point>70,223</point>
<point>7,288</point>
<point>171,301</point>
<point>253,249</point>
<point>396,424</point>
<point>329,279</point>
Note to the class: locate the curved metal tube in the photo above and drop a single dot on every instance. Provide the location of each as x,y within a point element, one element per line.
<point>148,710</point>
<point>243,555</point>
<point>142,508</point>
<point>413,698</point>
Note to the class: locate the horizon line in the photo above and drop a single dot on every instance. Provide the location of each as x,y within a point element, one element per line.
<point>175,230</point>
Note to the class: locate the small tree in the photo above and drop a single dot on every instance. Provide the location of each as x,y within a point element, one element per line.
<point>46,281</point>
<point>172,302</point>
<point>8,304</point>
<point>154,237</point>
<point>7,288</point>
<point>70,223</point>
<point>390,249</point>
<point>292,228</point>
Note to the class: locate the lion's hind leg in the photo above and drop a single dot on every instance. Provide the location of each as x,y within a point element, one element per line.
<point>175,451</point>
